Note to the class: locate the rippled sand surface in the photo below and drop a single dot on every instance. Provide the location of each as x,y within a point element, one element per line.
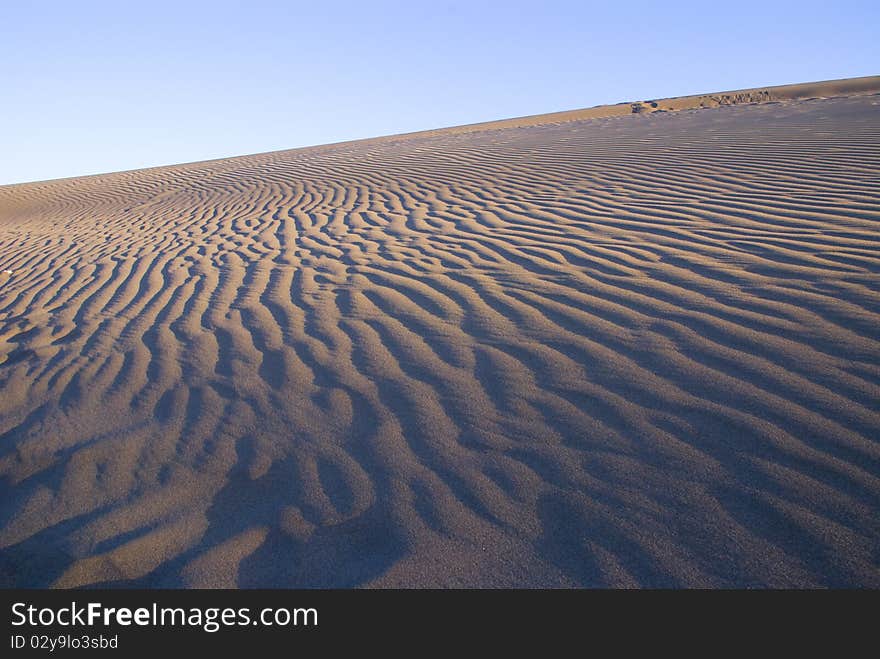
<point>639,350</point>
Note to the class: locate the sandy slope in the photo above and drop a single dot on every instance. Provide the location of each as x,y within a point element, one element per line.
<point>629,351</point>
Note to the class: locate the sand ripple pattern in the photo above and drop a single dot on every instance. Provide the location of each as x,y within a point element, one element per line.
<point>636,351</point>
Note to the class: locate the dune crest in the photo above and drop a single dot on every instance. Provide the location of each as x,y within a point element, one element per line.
<point>594,350</point>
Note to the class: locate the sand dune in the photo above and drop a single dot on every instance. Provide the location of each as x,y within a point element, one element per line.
<point>571,350</point>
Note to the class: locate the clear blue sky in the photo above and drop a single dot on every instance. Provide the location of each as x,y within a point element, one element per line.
<point>88,87</point>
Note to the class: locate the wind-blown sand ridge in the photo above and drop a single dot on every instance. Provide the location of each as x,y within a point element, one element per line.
<point>611,347</point>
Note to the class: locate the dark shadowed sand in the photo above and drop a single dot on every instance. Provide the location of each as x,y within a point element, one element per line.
<point>572,350</point>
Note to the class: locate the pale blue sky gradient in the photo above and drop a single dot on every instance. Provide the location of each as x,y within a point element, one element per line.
<point>89,87</point>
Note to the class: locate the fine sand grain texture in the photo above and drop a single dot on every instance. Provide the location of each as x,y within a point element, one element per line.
<point>572,350</point>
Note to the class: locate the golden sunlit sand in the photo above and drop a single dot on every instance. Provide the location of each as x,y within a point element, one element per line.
<point>636,345</point>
